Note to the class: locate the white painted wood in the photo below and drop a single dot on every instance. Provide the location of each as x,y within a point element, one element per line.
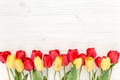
<point>62,24</point>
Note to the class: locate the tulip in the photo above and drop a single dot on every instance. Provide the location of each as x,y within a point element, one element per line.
<point>91,52</point>
<point>10,61</point>
<point>4,55</point>
<point>105,63</point>
<point>65,61</point>
<point>72,54</point>
<point>21,55</point>
<point>54,54</point>
<point>19,66</point>
<point>89,63</point>
<point>36,53</point>
<point>3,59</point>
<point>83,56</point>
<point>38,63</point>
<point>114,56</point>
<point>98,61</point>
<point>28,64</point>
<point>58,63</point>
<point>47,61</point>
<point>78,62</point>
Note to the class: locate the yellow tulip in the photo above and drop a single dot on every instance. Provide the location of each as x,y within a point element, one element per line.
<point>58,63</point>
<point>105,63</point>
<point>77,62</point>
<point>10,61</point>
<point>38,63</point>
<point>19,66</point>
<point>89,64</point>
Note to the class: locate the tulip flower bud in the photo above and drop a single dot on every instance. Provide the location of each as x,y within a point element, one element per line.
<point>83,56</point>
<point>91,52</point>
<point>98,61</point>
<point>89,64</point>
<point>4,55</point>
<point>47,61</point>
<point>19,66</point>
<point>114,56</point>
<point>36,53</point>
<point>38,63</point>
<point>72,54</point>
<point>78,62</point>
<point>10,61</point>
<point>65,61</point>
<point>28,64</point>
<point>58,63</point>
<point>54,54</point>
<point>105,63</point>
<point>21,55</point>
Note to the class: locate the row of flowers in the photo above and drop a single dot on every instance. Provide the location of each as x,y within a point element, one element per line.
<point>17,64</point>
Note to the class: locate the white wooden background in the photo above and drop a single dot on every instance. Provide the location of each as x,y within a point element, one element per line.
<point>62,24</point>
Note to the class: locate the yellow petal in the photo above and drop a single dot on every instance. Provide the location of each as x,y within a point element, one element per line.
<point>105,63</point>
<point>89,64</point>
<point>58,63</point>
<point>10,61</point>
<point>19,66</point>
<point>77,62</point>
<point>38,63</point>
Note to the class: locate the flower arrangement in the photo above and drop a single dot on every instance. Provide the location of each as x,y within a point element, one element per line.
<point>19,66</point>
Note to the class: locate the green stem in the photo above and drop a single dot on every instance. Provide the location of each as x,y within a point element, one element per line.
<point>30,75</point>
<point>23,74</point>
<point>47,74</point>
<point>93,74</point>
<point>101,71</point>
<point>89,76</point>
<point>60,75</point>
<point>41,75</point>
<point>111,72</point>
<point>8,73</point>
<point>12,72</point>
<point>79,73</point>
<point>54,75</point>
<point>64,72</point>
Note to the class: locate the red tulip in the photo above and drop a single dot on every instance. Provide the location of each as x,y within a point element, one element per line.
<point>83,56</point>
<point>36,53</point>
<point>72,54</point>
<point>3,56</point>
<point>91,52</point>
<point>98,61</point>
<point>21,55</point>
<point>65,61</point>
<point>47,61</point>
<point>114,56</point>
<point>54,53</point>
<point>28,64</point>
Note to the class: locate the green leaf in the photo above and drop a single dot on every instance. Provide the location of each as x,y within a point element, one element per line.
<point>25,77</point>
<point>105,75</point>
<point>66,75</point>
<point>44,78</point>
<point>73,74</point>
<point>18,75</point>
<point>36,75</point>
<point>94,75</point>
